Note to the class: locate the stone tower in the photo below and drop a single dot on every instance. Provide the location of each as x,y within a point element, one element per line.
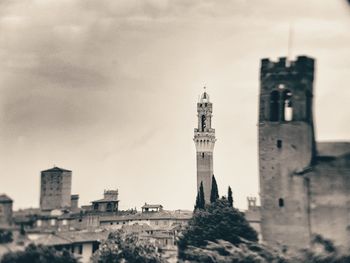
<point>55,189</point>
<point>5,210</point>
<point>204,138</point>
<point>286,149</point>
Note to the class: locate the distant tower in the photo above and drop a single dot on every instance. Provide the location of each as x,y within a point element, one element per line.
<point>5,210</point>
<point>56,186</point>
<point>204,138</point>
<point>286,149</point>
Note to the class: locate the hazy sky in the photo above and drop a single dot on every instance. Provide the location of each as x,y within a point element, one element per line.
<point>108,89</point>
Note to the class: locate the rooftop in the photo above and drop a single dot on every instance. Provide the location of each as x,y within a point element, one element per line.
<point>334,149</point>
<point>104,200</point>
<point>5,199</point>
<point>65,238</point>
<point>56,169</point>
<point>151,206</point>
<point>176,215</point>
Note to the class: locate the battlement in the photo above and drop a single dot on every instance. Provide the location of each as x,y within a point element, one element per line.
<point>110,194</point>
<point>251,202</point>
<point>303,66</point>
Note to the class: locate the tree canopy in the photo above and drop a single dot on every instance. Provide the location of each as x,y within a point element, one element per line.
<point>200,200</point>
<point>214,193</point>
<point>229,196</point>
<point>218,221</point>
<point>5,236</point>
<point>39,254</point>
<point>126,247</point>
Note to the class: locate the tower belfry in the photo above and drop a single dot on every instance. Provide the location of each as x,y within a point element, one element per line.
<point>204,139</point>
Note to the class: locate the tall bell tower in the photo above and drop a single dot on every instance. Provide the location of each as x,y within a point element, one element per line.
<point>286,150</point>
<point>204,139</point>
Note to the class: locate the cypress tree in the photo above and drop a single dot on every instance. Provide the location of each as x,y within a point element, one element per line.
<point>214,194</point>
<point>197,205</point>
<point>200,201</point>
<point>229,196</point>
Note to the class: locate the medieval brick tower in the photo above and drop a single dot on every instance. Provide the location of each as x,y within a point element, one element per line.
<point>286,149</point>
<point>55,189</point>
<point>204,138</point>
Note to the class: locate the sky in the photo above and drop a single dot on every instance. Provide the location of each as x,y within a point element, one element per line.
<point>108,89</point>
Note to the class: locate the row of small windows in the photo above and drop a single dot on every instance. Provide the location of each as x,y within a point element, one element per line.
<point>202,141</point>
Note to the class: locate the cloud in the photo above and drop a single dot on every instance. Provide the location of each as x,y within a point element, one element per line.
<point>85,81</point>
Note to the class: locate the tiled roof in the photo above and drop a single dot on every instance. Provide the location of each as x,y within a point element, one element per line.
<point>5,199</point>
<point>180,215</point>
<point>65,238</point>
<point>334,149</point>
<point>152,206</point>
<point>56,169</point>
<point>105,200</point>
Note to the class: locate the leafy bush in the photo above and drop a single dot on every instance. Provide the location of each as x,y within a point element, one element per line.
<point>218,221</point>
<point>123,247</point>
<point>5,236</point>
<point>224,251</point>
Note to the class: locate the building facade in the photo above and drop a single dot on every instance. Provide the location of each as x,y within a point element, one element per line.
<point>304,185</point>
<point>55,189</point>
<point>204,138</point>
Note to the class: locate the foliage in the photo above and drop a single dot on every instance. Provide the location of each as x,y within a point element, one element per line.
<point>124,247</point>
<point>229,196</point>
<point>5,236</point>
<point>200,201</point>
<point>218,221</point>
<point>39,254</point>
<point>214,193</point>
<point>321,251</point>
<point>224,251</point>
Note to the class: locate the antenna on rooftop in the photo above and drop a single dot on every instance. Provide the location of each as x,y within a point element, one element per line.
<point>290,42</point>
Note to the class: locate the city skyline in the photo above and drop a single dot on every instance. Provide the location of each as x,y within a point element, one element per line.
<point>109,91</point>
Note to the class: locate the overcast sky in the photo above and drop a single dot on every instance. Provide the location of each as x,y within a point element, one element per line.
<point>108,89</point>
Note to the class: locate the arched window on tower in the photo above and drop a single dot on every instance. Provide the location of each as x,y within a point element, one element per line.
<point>203,123</point>
<point>274,106</point>
<point>287,106</point>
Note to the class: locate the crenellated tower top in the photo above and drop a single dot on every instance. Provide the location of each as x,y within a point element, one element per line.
<point>204,134</point>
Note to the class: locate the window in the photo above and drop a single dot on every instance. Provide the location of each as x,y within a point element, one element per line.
<point>109,207</point>
<point>279,144</point>
<point>202,155</point>
<point>95,246</point>
<point>53,222</point>
<point>96,206</point>
<point>64,222</point>
<point>203,122</point>
<point>80,249</point>
<point>274,106</point>
<point>287,106</point>
<point>38,223</point>
<point>281,202</point>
